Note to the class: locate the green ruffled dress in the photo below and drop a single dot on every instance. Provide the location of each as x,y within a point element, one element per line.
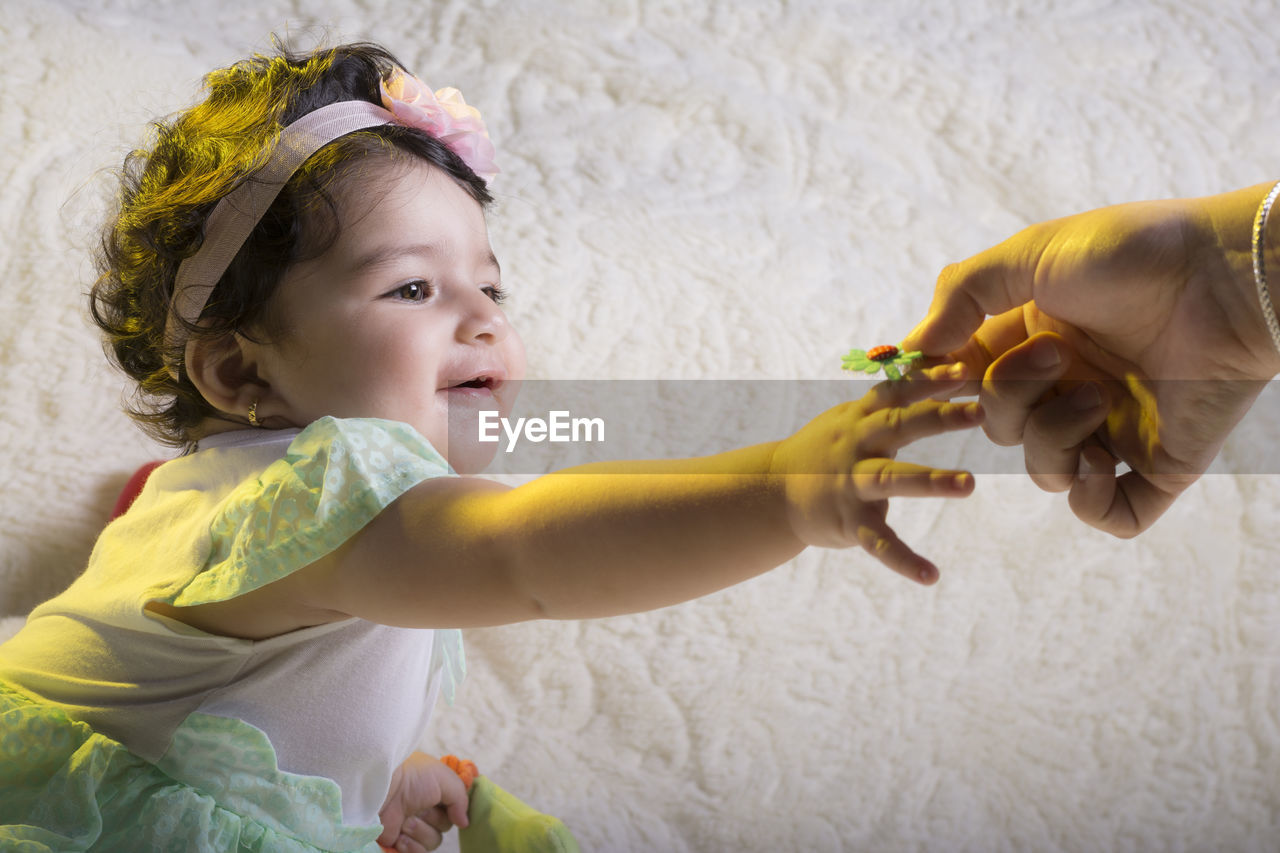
<point>121,729</point>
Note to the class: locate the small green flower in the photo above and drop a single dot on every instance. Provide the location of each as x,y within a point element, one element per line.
<point>887,356</point>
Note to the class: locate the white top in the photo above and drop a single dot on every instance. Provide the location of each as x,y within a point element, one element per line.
<point>346,700</point>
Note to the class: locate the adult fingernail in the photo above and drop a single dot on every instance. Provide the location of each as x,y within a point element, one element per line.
<point>955,371</point>
<point>1045,355</point>
<point>1086,397</point>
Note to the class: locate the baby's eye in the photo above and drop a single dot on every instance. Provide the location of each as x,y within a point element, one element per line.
<point>497,293</point>
<point>413,291</point>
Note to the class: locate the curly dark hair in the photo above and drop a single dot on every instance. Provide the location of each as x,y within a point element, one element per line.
<point>200,155</point>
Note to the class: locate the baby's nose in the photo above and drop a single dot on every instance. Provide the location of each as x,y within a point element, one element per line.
<point>482,318</point>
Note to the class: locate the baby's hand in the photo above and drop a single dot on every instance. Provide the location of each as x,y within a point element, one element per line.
<point>425,801</point>
<point>840,471</point>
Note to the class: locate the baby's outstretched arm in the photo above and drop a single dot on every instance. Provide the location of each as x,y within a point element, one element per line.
<point>624,537</point>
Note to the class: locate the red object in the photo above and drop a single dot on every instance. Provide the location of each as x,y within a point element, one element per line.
<point>132,488</point>
<point>884,352</point>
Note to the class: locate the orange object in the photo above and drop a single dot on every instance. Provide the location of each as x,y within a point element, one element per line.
<point>465,769</point>
<point>884,352</point>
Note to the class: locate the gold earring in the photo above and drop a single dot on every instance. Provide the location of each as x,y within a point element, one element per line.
<point>253,414</point>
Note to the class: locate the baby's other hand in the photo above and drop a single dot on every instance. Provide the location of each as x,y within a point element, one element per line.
<point>426,799</point>
<point>840,468</point>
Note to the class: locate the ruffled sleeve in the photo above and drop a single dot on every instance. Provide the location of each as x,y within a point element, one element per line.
<point>337,474</point>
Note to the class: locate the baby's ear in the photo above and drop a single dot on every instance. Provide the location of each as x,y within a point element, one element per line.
<point>225,372</point>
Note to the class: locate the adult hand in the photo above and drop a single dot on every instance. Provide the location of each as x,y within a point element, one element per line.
<point>1130,333</point>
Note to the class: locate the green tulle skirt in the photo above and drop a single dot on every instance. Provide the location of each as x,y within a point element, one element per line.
<point>65,787</point>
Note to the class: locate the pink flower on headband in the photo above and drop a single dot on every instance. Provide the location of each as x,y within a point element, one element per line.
<point>444,115</point>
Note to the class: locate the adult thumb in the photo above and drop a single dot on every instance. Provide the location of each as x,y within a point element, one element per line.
<point>966,293</point>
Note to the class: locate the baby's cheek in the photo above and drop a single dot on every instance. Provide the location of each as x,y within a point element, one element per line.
<point>515,356</point>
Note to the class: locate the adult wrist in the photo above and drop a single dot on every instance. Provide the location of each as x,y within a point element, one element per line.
<point>1265,246</point>
<point>1233,216</point>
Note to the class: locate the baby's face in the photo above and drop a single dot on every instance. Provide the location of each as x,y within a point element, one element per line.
<point>398,318</point>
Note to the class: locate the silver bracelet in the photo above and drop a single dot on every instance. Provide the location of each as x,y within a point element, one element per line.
<point>1259,268</point>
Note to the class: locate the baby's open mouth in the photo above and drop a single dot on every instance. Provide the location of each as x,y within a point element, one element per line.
<point>488,383</point>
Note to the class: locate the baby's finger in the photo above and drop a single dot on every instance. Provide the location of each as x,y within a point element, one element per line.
<point>406,844</point>
<point>881,542</point>
<point>888,430</point>
<point>436,817</point>
<point>419,834</point>
<point>917,385</point>
<point>392,817</point>
<point>453,800</point>
<point>881,479</point>
<point>457,813</point>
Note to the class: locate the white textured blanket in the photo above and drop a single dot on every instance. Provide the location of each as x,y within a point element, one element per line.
<point>745,190</point>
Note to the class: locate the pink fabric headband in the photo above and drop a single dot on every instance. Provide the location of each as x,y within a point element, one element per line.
<point>407,100</point>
